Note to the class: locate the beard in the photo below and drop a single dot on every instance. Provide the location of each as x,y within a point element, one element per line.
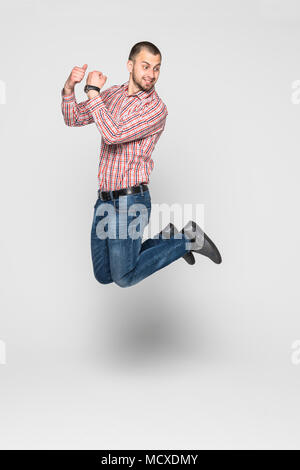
<point>141,84</point>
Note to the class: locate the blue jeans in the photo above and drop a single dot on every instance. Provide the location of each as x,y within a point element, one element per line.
<point>118,254</point>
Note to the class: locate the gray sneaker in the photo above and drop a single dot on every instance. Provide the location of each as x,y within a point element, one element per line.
<point>203,244</point>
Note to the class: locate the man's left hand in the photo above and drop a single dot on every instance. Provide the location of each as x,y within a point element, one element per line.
<point>95,78</point>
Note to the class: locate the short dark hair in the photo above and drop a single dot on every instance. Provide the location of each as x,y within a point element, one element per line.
<point>136,49</point>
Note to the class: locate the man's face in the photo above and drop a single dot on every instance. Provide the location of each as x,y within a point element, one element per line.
<point>145,69</point>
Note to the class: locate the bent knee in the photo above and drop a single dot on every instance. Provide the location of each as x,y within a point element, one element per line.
<point>122,282</point>
<point>103,280</point>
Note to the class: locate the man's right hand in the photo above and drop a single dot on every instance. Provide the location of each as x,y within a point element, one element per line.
<point>76,75</point>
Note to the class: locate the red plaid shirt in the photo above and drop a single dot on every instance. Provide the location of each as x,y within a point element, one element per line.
<point>130,127</point>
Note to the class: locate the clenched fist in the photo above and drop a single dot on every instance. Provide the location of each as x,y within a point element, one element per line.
<point>96,78</point>
<point>75,76</point>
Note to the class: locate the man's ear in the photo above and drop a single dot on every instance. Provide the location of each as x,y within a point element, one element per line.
<point>129,66</point>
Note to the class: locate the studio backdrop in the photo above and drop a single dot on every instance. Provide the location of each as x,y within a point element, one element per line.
<point>201,356</point>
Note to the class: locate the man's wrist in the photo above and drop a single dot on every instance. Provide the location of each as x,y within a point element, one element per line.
<point>68,91</point>
<point>92,94</point>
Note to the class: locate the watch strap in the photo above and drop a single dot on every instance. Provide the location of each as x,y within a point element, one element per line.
<point>91,87</point>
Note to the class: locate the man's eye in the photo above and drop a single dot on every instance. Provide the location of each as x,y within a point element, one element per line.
<point>146,66</point>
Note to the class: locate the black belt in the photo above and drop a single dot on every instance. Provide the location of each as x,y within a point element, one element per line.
<point>106,195</point>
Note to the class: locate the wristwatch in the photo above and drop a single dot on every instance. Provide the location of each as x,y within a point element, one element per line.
<point>91,87</point>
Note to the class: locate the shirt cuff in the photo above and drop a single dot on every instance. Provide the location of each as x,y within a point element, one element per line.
<point>95,103</point>
<point>70,97</point>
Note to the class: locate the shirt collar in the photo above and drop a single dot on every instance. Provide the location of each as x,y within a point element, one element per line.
<point>140,94</point>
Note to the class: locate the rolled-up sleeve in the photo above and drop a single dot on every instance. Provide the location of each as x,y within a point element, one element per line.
<point>149,120</point>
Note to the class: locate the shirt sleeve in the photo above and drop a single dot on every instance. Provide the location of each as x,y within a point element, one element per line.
<point>149,120</point>
<point>76,114</point>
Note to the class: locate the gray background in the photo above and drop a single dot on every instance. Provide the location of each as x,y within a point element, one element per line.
<point>193,356</point>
